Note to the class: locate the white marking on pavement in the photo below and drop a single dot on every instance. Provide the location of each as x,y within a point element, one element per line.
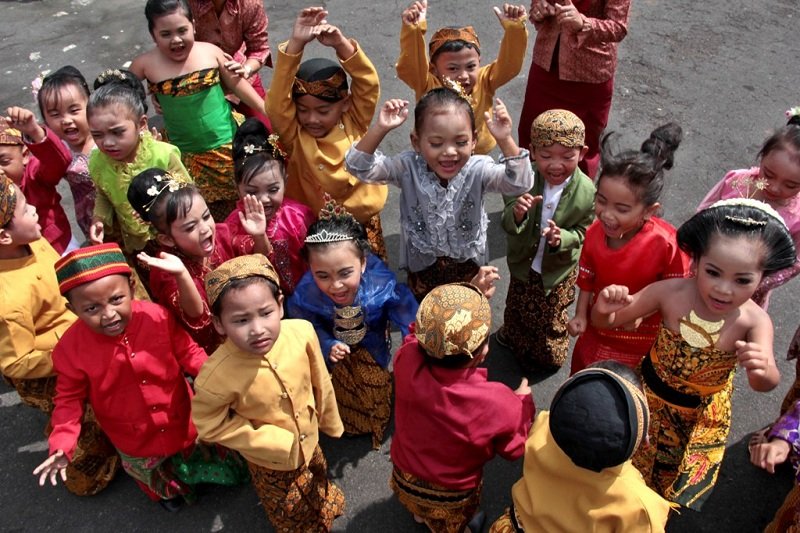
<point>7,399</point>
<point>34,447</point>
<point>217,525</point>
<point>68,48</point>
<point>35,56</point>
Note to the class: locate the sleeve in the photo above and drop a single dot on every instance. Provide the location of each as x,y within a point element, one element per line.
<point>519,411</point>
<point>717,192</point>
<point>216,420</point>
<point>413,64</point>
<point>72,390</point>
<point>586,269</point>
<point>365,87</point>
<point>175,165</point>
<point>773,280</point>
<point>402,308</point>
<point>573,236</point>
<point>787,428</point>
<point>164,289</point>
<point>103,208</point>
<point>255,32</point>
<point>612,28</point>
<point>280,107</point>
<point>19,357</point>
<point>677,262</point>
<point>510,57</point>
<point>330,422</point>
<point>507,220</point>
<point>512,176</point>
<point>54,158</point>
<point>296,308</point>
<point>374,168</point>
<point>189,354</point>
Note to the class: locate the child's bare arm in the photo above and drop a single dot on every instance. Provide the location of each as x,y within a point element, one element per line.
<point>500,126</point>
<point>755,354</point>
<point>238,85</point>
<point>189,298</point>
<point>577,326</point>
<point>392,114</point>
<point>306,28</point>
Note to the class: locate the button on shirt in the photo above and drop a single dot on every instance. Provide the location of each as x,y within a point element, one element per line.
<point>550,198</point>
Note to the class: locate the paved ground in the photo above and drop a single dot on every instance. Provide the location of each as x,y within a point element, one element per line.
<point>721,69</point>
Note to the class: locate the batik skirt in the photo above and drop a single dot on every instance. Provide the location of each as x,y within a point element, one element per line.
<point>444,270</point>
<point>508,522</point>
<point>787,519</point>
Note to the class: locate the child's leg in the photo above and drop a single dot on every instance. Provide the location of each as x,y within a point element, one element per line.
<point>299,500</point>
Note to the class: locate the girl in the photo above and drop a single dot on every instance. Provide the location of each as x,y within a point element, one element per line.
<point>192,245</point>
<point>259,170</point>
<point>709,327</point>
<point>62,100</point>
<point>442,218</point>
<point>318,119</point>
<point>188,79</point>
<point>626,244</point>
<point>350,295</point>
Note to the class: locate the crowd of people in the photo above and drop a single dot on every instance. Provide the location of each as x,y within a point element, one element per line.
<point>230,299</point>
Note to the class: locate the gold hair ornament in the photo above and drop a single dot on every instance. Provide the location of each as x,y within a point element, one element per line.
<point>457,88</point>
<point>750,202</point>
<point>109,74</point>
<point>169,183</point>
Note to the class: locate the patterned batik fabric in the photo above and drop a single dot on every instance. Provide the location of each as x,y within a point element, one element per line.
<point>558,126</point>
<point>375,237</point>
<point>157,475</point>
<point>444,270</point>
<point>793,394</point>
<point>686,444</point>
<point>213,173</point>
<point>299,500</point>
<point>443,510</point>
<point>507,523</point>
<point>363,394</point>
<point>787,519</point>
<point>535,322</point>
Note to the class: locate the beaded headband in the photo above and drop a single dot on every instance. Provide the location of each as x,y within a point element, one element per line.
<point>749,202</point>
<point>446,35</point>
<point>330,88</point>
<point>109,74</point>
<point>330,210</point>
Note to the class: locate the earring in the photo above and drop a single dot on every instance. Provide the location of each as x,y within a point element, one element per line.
<point>341,126</point>
<point>141,133</point>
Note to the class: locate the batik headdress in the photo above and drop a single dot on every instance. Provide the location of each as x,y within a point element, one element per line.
<point>8,200</point>
<point>246,266</point>
<point>321,78</point>
<point>449,34</point>
<point>453,319</point>
<point>9,134</point>
<point>89,264</point>
<point>558,126</point>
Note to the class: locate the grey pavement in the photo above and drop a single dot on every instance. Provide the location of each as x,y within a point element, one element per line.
<point>724,70</point>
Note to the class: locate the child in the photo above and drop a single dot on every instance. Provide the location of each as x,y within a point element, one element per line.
<point>318,120</point>
<point>709,327</point>
<point>127,359</point>
<point>350,295</point>
<point>545,228</point>
<point>259,169</point>
<point>37,163</point>
<point>449,420</point>
<point>781,442</point>
<point>577,474</point>
<point>62,100</point>
<point>455,56</point>
<point>267,394</point>
<point>32,319</point>
<point>191,246</point>
<point>189,80</point>
<point>442,218</point>
<point>627,244</point>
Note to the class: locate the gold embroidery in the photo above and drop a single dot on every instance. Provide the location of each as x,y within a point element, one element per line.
<point>698,332</point>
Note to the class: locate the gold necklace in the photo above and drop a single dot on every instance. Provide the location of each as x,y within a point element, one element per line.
<point>698,332</point>
<point>348,324</point>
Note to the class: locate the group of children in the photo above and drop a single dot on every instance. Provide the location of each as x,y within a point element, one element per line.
<point>263,254</point>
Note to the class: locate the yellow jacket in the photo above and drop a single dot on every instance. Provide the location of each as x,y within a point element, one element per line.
<point>316,166</point>
<point>33,314</point>
<point>413,68</point>
<point>271,408</point>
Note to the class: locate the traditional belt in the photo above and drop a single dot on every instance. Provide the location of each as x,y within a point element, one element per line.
<point>664,391</point>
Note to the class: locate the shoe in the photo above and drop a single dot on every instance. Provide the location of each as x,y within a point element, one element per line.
<point>476,524</point>
<point>172,505</point>
<point>502,339</point>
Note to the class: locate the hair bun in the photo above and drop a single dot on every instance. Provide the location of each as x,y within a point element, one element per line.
<point>662,144</point>
<point>251,132</point>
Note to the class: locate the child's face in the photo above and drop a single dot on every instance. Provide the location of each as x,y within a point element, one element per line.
<point>104,304</point>
<point>250,317</point>
<point>781,169</point>
<point>116,132</point>
<point>618,208</point>
<point>556,163</point>
<point>65,114</point>
<point>24,227</point>
<point>173,34</point>
<point>446,141</point>
<point>194,234</point>
<point>317,116</point>
<point>729,273</point>
<point>461,66</point>
<point>337,271</point>
<point>13,158</point>
<point>268,186</point>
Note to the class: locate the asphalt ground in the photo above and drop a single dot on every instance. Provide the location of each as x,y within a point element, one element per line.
<point>725,71</point>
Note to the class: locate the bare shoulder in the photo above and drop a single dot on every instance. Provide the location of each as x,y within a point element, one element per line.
<point>752,315</point>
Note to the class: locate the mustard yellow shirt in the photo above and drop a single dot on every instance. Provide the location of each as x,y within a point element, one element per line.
<point>556,495</point>
<point>413,68</point>
<point>33,314</point>
<point>316,166</point>
<point>271,408</point>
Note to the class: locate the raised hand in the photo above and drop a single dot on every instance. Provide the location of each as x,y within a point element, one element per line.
<point>392,114</point>
<point>552,234</point>
<point>752,357</point>
<point>306,25</point>
<point>415,13</point>
<point>524,204</point>
<point>252,218</point>
<point>25,121</point>
<point>52,467</point>
<point>485,279</point>
<point>510,12</point>
<point>540,10</point>
<point>166,262</point>
<point>499,121</point>
<point>568,16</point>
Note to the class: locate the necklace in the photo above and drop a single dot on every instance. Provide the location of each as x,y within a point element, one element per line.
<point>348,324</point>
<point>698,332</point>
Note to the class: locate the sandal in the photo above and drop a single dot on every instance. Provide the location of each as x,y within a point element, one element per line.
<point>758,437</point>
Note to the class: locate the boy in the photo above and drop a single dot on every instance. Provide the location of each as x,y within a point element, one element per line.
<point>267,394</point>
<point>32,319</point>
<point>546,228</point>
<point>455,56</point>
<point>127,358</point>
<point>438,471</point>
<point>577,474</point>
<point>318,120</point>
<point>37,164</point>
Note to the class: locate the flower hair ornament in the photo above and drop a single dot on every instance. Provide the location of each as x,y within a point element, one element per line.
<point>793,112</point>
<point>457,88</point>
<point>331,210</point>
<point>110,74</point>
<point>750,202</point>
<point>163,183</point>
<point>36,85</point>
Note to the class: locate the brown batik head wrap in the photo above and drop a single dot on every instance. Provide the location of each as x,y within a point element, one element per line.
<point>558,126</point>
<point>246,266</point>
<point>9,135</point>
<point>453,319</point>
<point>321,78</point>
<point>8,200</point>
<point>449,34</point>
